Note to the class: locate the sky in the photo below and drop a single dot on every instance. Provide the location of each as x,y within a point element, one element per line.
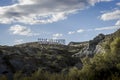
<point>24,21</point>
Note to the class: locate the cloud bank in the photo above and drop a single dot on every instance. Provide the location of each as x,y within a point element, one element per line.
<point>118,4</point>
<point>107,28</point>
<point>112,15</point>
<point>42,11</point>
<point>21,30</point>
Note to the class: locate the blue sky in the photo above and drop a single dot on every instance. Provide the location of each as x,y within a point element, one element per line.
<point>24,21</point>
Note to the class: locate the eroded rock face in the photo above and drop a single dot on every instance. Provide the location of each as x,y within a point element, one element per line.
<point>99,49</point>
<point>91,48</point>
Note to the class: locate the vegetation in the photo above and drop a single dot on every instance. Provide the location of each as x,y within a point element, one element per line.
<point>57,63</point>
<point>104,66</point>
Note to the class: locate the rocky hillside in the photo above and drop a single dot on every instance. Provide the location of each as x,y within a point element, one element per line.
<point>96,45</point>
<point>30,57</point>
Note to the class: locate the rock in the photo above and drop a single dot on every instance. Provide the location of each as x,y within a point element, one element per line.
<point>99,49</point>
<point>91,48</point>
<point>79,65</point>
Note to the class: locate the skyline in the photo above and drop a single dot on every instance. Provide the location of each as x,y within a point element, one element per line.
<point>24,21</point>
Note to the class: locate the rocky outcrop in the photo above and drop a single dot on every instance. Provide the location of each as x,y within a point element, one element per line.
<point>95,46</point>
<point>91,47</point>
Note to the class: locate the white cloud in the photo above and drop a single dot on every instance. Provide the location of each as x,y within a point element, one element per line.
<point>106,0</point>
<point>21,30</point>
<point>92,2</point>
<point>24,2</point>
<point>114,15</point>
<point>118,4</point>
<point>42,11</point>
<point>71,32</point>
<point>117,23</point>
<point>77,31</point>
<point>80,30</point>
<point>57,35</point>
<point>18,41</point>
<point>107,28</point>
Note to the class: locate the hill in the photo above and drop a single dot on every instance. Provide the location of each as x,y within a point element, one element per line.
<point>68,59</point>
